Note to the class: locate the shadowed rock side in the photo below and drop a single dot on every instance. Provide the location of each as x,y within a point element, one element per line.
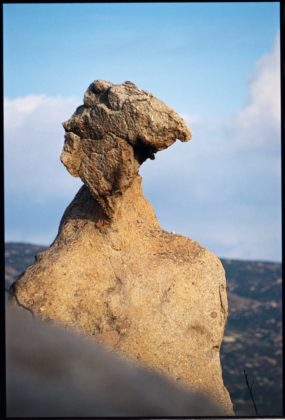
<point>112,272</point>
<point>52,371</point>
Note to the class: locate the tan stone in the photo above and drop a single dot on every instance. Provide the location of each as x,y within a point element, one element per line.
<point>152,295</point>
<point>117,129</point>
<point>149,293</point>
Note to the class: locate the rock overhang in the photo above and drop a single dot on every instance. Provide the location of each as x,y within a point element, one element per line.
<point>116,129</point>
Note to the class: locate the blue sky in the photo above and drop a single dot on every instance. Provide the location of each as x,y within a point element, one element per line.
<point>217,64</point>
<point>172,49</point>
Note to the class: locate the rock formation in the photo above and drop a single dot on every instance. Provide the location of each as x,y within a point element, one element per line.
<point>112,271</point>
<point>117,128</point>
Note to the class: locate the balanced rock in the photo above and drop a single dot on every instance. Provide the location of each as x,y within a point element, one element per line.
<point>107,138</point>
<point>112,271</point>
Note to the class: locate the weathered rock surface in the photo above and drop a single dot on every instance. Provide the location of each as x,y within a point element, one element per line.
<point>112,271</point>
<point>117,128</point>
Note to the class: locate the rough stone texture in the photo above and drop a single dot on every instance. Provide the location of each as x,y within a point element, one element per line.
<point>115,274</point>
<point>117,128</point>
<point>53,372</point>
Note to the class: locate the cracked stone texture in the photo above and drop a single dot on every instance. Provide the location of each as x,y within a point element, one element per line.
<point>154,296</point>
<point>117,129</point>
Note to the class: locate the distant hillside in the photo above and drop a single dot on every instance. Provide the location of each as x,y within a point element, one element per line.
<point>253,335</point>
<point>18,256</point>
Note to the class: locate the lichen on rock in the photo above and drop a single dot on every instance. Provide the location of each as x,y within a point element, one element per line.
<point>112,271</point>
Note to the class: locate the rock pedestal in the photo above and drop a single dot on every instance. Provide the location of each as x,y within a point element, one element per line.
<point>112,271</point>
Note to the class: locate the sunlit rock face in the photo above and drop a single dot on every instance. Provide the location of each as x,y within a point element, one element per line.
<point>117,129</point>
<point>112,271</point>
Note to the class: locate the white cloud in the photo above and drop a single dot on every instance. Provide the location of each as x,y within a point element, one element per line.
<point>37,186</point>
<point>34,138</point>
<point>264,94</point>
<point>223,188</point>
<point>23,105</point>
<point>257,124</point>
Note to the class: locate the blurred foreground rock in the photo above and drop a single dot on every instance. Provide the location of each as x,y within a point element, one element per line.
<point>52,371</point>
<point>112,271</point>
